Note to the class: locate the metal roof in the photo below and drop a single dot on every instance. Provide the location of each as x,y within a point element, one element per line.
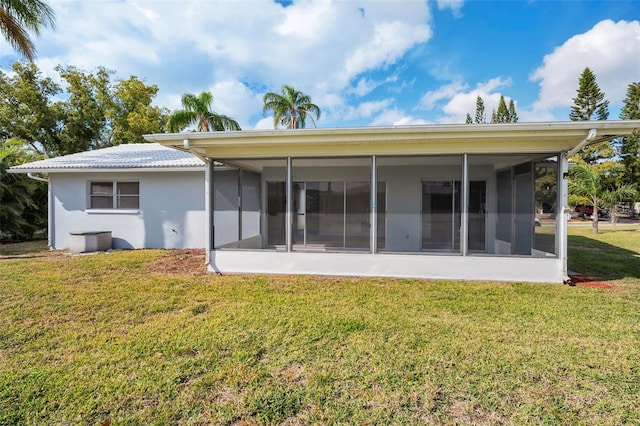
<point>131,156</point>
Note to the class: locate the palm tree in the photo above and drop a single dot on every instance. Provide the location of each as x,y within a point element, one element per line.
<point>589,185</point>
<point>196,110</point>
<point>17,17</point>
<point>291,108</point>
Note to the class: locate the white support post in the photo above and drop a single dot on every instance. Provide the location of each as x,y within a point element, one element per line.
<point>209,206</point>
<point>464,208</point>
<point>373,229</point>
<point>562,212</point>
<point>289,206</point>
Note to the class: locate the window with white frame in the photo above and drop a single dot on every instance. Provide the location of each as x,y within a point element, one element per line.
<point>114,195</point>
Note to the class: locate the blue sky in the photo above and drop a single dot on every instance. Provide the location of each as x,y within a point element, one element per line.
<point>364,63</point>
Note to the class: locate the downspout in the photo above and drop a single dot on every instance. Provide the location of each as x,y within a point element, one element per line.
<point>50,216</point>
<point>208,194</point>
<point>187,145</point>
<point>563,194</point>
<point>590,136</point>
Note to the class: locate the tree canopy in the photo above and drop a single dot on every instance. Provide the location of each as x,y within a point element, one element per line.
<point>589,104</point>
<point>290,108</point>
<point>97,112</point>
<point>629,146</point>
<point>197,110</point>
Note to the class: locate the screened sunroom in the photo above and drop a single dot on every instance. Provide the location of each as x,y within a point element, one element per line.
<point>465,202</point>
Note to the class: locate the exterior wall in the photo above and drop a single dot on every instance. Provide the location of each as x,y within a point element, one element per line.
<point>526,269</point>
<point>171,214</point>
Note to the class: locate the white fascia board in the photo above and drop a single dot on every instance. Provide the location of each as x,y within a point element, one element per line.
<point>511,137</point>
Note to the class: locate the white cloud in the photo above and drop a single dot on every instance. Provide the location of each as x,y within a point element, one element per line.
<point>390,40</point>
<point>456,100</point>
<point>396,117</point>
<point>448,91</point>
<point>321,47</point>
<point>264,124</point>
<point>367,109</point>
<point>236,100</point>
<point>454,5</point>
<point>610,49</point>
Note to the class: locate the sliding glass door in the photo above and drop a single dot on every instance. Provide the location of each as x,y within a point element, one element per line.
<point>331,214</point>
<point>441,215</point>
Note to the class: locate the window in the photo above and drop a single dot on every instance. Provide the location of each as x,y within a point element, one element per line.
<point>114,195</point>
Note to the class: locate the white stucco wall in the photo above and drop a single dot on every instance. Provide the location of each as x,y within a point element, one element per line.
<point>493,268</point>
<point>171,214</point>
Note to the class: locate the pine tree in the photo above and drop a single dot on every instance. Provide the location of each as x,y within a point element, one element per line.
<point>513,116</point>
<point>629,147</point>
<point>481,118</point>
<point>589,104</point>
<point>502,114</point>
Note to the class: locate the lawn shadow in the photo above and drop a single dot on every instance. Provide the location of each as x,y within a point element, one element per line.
<point>602,260</point>
<point>35,248</point>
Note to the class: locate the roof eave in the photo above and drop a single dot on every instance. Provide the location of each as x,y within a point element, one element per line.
<point>107,169</point>
<point>393,140</point>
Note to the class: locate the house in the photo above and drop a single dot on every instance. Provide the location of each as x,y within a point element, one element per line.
<point>147,195</point>
<point>433,201</point>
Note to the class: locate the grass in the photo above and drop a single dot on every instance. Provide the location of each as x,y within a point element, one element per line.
<point>100,339</point>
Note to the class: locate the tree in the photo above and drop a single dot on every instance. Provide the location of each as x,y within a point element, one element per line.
<point>290,108</point>
<point>481,118</point>
<point>590,186</point>
<point>629,146</point>
<point>513,116</point>
<point>23,201</point>
<point>468,120</point>
<point>18,17</point>
<point>589,104</point>
<point>83,115</point>
<point>502,114</point>
<point>197,110</point>
<point>97,113</point>
<point>131,114</point>
<point>26,110</point>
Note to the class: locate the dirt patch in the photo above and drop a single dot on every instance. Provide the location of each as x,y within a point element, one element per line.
<point>180,262</point>
<point>586,281</point>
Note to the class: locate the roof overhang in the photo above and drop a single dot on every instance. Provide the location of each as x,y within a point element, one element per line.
<point>104,169</point>
<point>531,138</point>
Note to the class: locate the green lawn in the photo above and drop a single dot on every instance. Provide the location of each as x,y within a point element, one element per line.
<point>103,339</point>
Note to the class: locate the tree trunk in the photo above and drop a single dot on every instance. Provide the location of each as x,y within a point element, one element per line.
<point>594,218</point>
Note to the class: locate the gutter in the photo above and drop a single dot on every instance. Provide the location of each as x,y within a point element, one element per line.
<point>590,137</point>
<point>38,178</point>
<point>50,209</point>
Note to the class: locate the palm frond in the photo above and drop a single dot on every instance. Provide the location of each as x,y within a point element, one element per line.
<point>180,119</point>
